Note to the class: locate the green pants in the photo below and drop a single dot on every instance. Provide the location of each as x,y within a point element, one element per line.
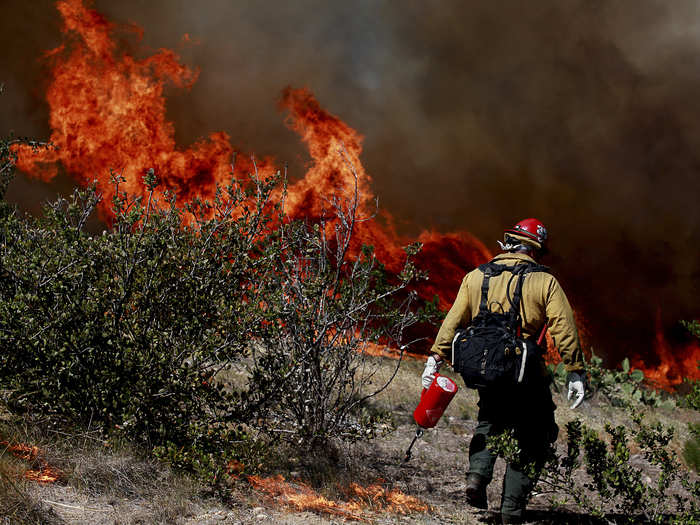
<point>529,411</point>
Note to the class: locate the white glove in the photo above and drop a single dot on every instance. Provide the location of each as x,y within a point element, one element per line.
<point>575,382</point>
<point>432,365</point>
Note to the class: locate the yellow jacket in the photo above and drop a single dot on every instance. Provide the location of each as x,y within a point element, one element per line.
<point>542,300</point>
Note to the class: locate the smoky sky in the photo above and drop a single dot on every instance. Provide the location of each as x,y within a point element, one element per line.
<point>584,114</point>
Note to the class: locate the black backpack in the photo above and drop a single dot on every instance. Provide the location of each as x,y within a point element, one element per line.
<point>491,352</point>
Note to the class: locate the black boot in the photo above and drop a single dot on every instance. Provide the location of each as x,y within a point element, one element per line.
<point>476,491</point>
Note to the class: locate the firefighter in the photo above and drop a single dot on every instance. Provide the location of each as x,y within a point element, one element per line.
<point>527,409</point>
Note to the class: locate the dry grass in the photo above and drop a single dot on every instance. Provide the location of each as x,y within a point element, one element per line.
<point>113,483</point>
<point>139,489</point>
<point>17,504</point>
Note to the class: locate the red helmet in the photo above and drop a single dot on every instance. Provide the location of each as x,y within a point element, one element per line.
<point>531,231</point>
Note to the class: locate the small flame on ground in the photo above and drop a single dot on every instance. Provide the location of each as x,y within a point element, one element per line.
<point>379,350</point>
<point>32,454</point>
<point>392,500</point>
<point>360,500</point>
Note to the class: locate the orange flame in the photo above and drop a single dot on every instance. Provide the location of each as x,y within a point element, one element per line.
<point>387,351</point>
<point>552,355</point>
<point>32,454</point>
<point>300,496</point>
<point>675,364</point>
<point>392,500</point>
<point>107,111</point>
<point>335,149</point>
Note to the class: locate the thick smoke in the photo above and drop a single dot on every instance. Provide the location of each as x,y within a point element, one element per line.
<point>476,114</point>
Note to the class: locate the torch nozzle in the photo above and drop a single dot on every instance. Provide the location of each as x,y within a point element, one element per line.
<point>419,433</point>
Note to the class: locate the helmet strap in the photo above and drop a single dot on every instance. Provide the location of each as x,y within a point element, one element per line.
<point>508,247</point>
<point>528,249</point>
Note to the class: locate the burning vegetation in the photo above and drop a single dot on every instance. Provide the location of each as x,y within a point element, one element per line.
<point>676,362</point>
<point>359,504</point>
<point>144,322</point>
<point>108,113</point>
<point>40,470</point>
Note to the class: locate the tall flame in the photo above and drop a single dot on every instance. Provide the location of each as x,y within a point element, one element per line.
<point>108,113</point>
<point>335,149</point>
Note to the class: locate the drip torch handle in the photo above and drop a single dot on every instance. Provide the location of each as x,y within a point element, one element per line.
<point>437,374</point>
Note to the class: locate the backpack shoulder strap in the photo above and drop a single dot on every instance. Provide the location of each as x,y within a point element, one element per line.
<point>492,269</point>
<point>489,269</point>
<point>521,270</point>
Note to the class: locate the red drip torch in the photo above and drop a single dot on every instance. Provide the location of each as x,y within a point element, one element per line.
<point>433,402</point>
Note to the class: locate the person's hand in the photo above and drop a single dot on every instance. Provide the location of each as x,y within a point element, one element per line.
<point>575,382</point>
<point>432,365</point>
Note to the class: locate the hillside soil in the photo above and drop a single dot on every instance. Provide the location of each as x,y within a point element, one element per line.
<point>108,487</point>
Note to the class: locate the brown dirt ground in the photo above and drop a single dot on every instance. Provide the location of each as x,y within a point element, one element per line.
<point>435,474</point>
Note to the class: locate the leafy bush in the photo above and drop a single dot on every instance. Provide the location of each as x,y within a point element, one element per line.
<point>691,450</point>
<point>621,388</point>
<point>136,329</point>
<point>128,328</point>
<point>692,398</point>
<point>693,327</point>
<point>614,481</point>
<point>330,306</point>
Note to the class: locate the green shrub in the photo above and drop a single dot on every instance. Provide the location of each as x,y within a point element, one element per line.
<point>136,329</point>
<point>693,327</point>
<point>623,388</point>
<point>691,449</point>
<point>129,328</point>
<point>692,398</point>
<point>312,370</point>
<point>614,482</point>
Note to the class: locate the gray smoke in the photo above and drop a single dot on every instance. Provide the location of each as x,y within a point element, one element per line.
<point>476,114</point>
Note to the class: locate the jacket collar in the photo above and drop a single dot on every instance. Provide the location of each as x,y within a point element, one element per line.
<point>514,257</point>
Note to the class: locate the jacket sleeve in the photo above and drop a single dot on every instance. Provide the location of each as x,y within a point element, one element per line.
<point>562,327</point>
<point>459,315</point>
